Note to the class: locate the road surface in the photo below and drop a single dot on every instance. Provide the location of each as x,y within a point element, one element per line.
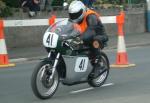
<point>127,85</point>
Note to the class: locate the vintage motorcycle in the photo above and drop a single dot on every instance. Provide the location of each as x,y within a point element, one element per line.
<point>68,61</point>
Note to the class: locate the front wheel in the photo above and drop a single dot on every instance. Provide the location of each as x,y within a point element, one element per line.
<point>104,71</point>
<point>43,87</point>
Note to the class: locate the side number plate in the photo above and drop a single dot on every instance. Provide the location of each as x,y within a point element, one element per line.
<point>81,64</point>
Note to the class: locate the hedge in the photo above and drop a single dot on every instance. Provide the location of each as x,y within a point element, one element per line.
<point>12,3</point>
<point>4,10</point>
<point>57,2</point>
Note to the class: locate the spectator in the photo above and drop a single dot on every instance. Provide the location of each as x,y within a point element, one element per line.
<point>25,5</point>
<point>89,3</point>
<point>65,5</point>
<point>86,2</point>
<point>32,5</point>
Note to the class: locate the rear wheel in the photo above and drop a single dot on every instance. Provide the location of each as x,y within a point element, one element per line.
<point>43,87</point>
<point>104,71</point>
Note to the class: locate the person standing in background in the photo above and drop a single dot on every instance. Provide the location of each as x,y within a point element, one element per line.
<point>32,5</point>
<point>25,5</point>
<point>89,3</point>
<point>86,2</point>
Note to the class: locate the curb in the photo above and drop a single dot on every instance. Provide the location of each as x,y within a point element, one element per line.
<point>129,46</point>
<point>19,60</point>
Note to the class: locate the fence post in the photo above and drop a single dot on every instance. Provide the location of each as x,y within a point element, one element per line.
<point>148,15</point>
<point>4,62</point>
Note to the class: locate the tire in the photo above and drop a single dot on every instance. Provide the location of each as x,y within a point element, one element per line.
<point>100,80</point>
<point>40,78</point>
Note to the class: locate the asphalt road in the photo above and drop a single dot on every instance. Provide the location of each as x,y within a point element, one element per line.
<point>127,85</point>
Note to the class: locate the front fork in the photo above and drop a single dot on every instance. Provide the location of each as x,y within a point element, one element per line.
<point>54,65</point>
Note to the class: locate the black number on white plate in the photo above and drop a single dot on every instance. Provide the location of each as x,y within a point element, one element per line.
<point>49,39</point>
<point>81,65</point>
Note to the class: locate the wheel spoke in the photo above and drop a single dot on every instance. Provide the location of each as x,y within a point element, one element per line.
<point>103,72</point>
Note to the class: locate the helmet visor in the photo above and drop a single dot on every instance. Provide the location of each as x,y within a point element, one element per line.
<point>75,16</point>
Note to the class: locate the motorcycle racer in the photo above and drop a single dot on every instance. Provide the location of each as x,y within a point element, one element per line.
<point>92,30</point>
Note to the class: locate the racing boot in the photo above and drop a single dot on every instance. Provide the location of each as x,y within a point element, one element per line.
<point>96,68</point>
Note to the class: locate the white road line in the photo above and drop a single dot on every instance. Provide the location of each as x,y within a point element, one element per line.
<point>81,90</point>
<point>86,89</point>
<point>109,84</point>
<point>19,60</point>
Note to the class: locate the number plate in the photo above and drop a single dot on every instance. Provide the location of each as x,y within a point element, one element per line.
<point>81,64</point>
<point>50,39</point>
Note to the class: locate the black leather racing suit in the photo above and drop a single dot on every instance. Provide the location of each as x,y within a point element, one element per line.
<point>95,30</point>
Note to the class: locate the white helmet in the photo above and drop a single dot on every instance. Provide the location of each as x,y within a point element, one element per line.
<point>76,11</point>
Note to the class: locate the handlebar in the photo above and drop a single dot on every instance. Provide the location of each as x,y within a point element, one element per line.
<point>66,37</point>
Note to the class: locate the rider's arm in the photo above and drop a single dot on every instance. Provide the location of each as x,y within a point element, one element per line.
<point>95,27</point>
<point>95,24</point>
